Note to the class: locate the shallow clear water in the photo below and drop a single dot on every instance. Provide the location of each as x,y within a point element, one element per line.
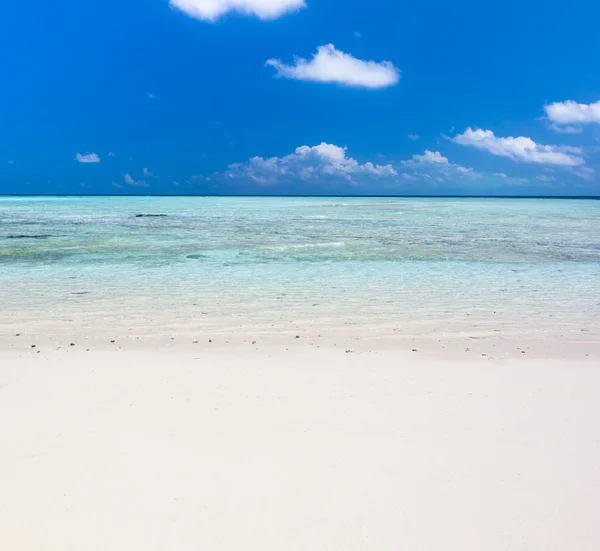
<point>374,266</point>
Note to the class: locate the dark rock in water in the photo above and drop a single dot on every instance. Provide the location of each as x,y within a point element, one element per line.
<point>42,236</point>
<point>196,256</point>
<point>150,215</point>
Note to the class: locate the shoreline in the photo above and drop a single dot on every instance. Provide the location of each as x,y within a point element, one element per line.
<point>576,345</point>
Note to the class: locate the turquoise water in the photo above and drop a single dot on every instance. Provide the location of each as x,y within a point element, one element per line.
<point>375,265</point>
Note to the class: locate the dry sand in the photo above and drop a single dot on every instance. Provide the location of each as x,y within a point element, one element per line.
<point>304,449</point>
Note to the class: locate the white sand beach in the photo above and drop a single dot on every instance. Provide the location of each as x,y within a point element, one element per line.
<point>270,447</point>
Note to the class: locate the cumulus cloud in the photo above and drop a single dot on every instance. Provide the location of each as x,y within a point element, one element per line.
<point>571,112</point>
<point>520,148</point>
<point>334,66</point>
<point>429,157</point>
<point>320,162</point>
<point>330,164</point>
<point>130,181</point>
<point>87,158</point>
<point>210,10</point>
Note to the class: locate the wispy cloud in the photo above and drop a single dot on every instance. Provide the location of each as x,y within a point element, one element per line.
<point>413,137</point>
<point>132,182</point>
<point>147,173</point>
<point>520,148</point>
<point>210,10</point>
<point>87,158</point>
<point>150,95</point>
<point>111,154</point>
<point>566,129</point>
<point>115,184</point>
<point>585,172</point>
<point>433,167</point>
<point>334,66</point>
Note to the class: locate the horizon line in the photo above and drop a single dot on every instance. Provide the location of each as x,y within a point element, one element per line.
<point>307,196</point>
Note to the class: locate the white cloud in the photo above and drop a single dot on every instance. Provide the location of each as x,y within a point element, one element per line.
<point>545,178</point>
<point>433,166</point>
<point>520,148</point>
<point>111,154</point>
<point>147,173</point>
<point>571,112</point>
<point>429,157</point>
<point>210,10</point>
<point>330,164</point>
<point>150,95</point>
<point>413,137</point>
<point>319,162</point>
<point>87,158</point>
<point>117,185</point>
<point>331,65</point>
<point>131,182</point>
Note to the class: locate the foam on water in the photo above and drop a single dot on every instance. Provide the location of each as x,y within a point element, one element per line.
<point>379,265</point>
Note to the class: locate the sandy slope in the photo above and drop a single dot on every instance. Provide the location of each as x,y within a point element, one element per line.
<point>307,449</point>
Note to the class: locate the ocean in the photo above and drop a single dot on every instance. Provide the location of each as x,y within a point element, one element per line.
<point>364,266</point>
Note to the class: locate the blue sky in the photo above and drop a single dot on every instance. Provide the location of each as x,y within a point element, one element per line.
<point>300,97</point>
